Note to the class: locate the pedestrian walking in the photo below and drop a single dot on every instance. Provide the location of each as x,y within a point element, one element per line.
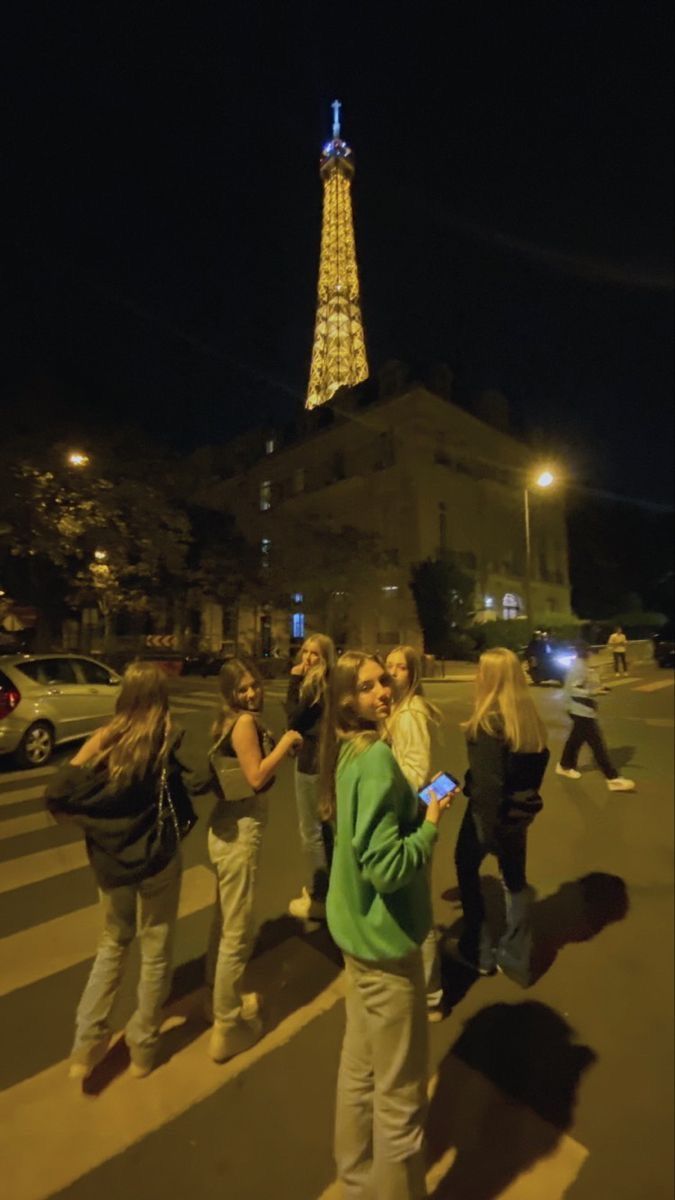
<point>506,745</point>
<point>618,644</point>
<point>305,706</point>
<point>124,788</point>
<point>582,688</point>
<point>379,913</point>
<point>243,761</point>
<point>409,730</point>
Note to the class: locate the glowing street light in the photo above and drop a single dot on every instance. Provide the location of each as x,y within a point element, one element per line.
<point>100,555</point>
<point>543,478</point>
<point>77,458</point>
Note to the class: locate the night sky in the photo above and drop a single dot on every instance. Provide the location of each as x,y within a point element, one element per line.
<point>513,209</point>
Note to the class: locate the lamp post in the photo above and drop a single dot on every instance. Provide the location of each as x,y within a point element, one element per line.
<point>543,479</point>
<point>77,458</point>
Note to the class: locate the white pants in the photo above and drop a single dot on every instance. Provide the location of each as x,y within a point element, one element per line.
<point>152,908</point>
<point>381,1094</point>
<point>311,835</point>
<point>234,842</point>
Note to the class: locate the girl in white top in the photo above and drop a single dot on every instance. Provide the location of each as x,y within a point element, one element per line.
<point>409,731</point>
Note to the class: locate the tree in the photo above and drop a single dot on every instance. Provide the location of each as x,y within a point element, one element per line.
<point>443,596</point>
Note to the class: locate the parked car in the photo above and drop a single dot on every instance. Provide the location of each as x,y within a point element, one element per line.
<point>664,645</point>
<point>49,699</point>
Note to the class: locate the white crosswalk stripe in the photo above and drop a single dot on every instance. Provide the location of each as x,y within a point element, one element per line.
<point>60,943</point>
<point>19,795</point>
<point>23,777</point>
<point>16,826</point>
<point>32,868</point>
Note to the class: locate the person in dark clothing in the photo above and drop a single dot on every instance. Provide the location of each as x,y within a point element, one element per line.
<point>305,706</point>
<point>538,656</point>
<point>506,743</point>
<point>112,789</point>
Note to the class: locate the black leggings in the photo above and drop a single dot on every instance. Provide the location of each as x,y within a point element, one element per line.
<point>586,730</point>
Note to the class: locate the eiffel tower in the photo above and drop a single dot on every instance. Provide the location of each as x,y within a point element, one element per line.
<point>339,352</point>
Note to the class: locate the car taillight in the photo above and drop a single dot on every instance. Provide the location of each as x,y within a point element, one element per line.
<point>9,698</point>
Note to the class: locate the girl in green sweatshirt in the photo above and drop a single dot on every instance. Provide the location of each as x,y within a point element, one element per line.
<point>379,912</point>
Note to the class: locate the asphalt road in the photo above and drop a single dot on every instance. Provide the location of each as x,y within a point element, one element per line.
<point>564,1089</point>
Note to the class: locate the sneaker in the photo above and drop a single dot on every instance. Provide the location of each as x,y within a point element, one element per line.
<point>621,785</point>
<point>251,1004</point>
<point>568,772</point>
<point>435,1014</point>
<point>306,908</point>
<point>81,1069</point>
<point>139,1070</point>
<point>228,1040</point>
<point>484,968</point>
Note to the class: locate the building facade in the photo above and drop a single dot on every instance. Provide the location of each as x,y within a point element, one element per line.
<point>414,476</point>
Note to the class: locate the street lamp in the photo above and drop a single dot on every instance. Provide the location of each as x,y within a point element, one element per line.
<point>543,479</point>
<point>77,458</point>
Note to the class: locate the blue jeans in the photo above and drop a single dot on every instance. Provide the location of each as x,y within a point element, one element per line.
<point>151,909</point>
<point>312,834</point>
<point>515,945</point>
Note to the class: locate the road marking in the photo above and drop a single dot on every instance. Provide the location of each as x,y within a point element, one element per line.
<point>24,776</point>
<point>655,687</point>
<point>21,795</point>
<point>16,826</point>
<point>44,1153</point>
<point>33,868</point>
<point>182,708</point>
<point>612,683</point>
<point>550,1176</point>
<point>55,945</point>
<point>199,701</point>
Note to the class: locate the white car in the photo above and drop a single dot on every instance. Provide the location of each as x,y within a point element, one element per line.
<point>48,699</point>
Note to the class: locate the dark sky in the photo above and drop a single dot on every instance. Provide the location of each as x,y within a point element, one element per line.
<point>513,207</point>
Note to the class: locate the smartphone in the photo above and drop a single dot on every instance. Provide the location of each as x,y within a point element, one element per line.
<point>444,785</point>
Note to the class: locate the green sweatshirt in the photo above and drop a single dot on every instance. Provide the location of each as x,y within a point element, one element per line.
<point>378,904</point>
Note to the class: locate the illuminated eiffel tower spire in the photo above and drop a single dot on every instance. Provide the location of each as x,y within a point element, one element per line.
<point>339,352</point>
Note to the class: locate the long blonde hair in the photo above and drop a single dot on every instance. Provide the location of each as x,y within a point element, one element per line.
<point>503,706</point>
<point>315,682</point>
<point>229,679</point>
<point>342,724</point>
<point>138,737</point>
<point>413,662</point>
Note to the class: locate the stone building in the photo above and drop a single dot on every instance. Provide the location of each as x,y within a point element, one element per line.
<point>416,474</point>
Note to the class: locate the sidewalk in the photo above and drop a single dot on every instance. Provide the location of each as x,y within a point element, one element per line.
<point>452,672</point>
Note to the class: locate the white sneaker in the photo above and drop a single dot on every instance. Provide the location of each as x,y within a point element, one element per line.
<point>306,908</point>
<point>228,1040</point>
<point>621,785</point>
<point>81,1069</point>
<point>569,773</point>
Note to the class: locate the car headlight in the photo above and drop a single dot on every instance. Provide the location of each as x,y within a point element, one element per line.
<point>564,660</point>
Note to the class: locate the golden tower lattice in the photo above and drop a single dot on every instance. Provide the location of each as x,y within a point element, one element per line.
<point>339,350</point>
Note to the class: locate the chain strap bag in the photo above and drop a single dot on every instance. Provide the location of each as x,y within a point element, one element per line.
<point>175,814</point>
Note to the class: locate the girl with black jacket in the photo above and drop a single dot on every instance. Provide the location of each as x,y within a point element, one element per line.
<point>506,742</point>
<point>305,703</point>
<point>111,789</point>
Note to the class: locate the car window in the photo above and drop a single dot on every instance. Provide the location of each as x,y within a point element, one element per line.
<point>34,670</point>
<point>93,672</point>
<point>57,670</point>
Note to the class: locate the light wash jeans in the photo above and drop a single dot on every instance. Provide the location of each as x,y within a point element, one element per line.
<point>234,842</point>
<point>151,908</point>
<point>311,833</point>
<point>381,1092</point>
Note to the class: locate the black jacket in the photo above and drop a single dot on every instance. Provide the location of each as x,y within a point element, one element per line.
<point>305,719</point>
<point>119,824</point>
<point>502,785</point>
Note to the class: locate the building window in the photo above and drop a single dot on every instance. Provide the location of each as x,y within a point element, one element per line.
<point>390,588</point>
<point>270,445</point>
<point>297,625</point>
<point>442,526</point>
<point>265,495</point>
<point>299,480</point>
<point>297,597</point>
<point>488,602</point>
<point>265,552</point>
<point>512,606</point>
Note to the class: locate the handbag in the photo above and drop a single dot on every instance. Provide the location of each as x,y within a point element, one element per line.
<point>232,782</point>
<point>175,814</point>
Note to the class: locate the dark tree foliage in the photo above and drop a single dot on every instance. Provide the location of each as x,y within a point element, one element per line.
<point>443,595</point>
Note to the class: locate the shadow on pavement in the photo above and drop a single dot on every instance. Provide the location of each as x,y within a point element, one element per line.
<point>506,1094</point>
<point>578,911</point>
<point>621,756</point>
